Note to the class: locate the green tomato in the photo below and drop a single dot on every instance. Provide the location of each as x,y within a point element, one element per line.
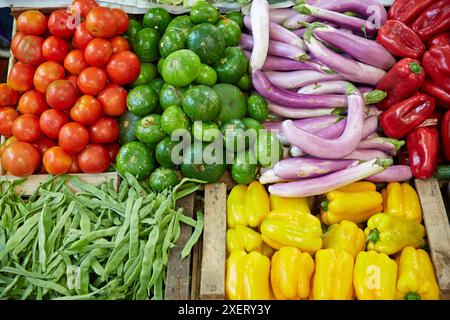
<point>257,107</point>
<point>207,76</point>
<point>174,118</point>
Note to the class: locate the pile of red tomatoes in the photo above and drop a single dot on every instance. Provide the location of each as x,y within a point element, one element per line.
<point>62,96</point>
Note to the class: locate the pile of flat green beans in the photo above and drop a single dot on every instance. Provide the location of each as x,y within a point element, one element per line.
<point>96,244</point>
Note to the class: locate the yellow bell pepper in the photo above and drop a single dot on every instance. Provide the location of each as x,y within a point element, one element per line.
<point>345,236</point>
<point>265,250</point>
<point>247,276</point>
<point>291,273</point>
<point>280,203</point>
<point>390,234</point>
<point>243,238</point>
<point>333,277</point>
<point>352,206</point>
<point>236,214</point>
<point>257,203</point>
<point>416,278</point>
<point>375,276</point>
<point>359,187</point>
<point>402,201</point>
<point>292,229</point>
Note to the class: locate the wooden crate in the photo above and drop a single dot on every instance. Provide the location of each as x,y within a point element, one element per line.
<point>212,282</point>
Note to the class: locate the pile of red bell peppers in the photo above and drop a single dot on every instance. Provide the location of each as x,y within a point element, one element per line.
<point>418,85</point>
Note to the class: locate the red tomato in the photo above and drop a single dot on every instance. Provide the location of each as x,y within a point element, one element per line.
<point>123,67</point>
<point>104,130</point>
<point>94,159</point>
<point>73,137</point>
<point>61,23</point>
<point>6,144</point>
<point>21,77</point>
<point>46,73</point>
<point>113,101</point>
<point>51,121</point>
<point>122,20</point>
<point>91,81</point>
<point>101,22</point>
<point>119,43</point>
<point>74,168</point>
<point>43,144</point>
<point>74,62</point>
<point>7,117</point>
<point>97,52</point>
<point>8,96</point>
<point>29,50</point>
<point>20,159</point>
<point>26,128</point>
<point>81,36</point>
<point>32,22</point>
<point>32,102</point>
<point>61,94</point>
<point>15,41</point>
<point>55,49</point>
<point>86,110</point>
<point>57,161</point>
<point>73,80</point>
<point>113,150</point>
<point>83,6</point>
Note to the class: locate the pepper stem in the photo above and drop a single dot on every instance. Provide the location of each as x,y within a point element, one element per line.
<point>324,205</point>
<point>374,236</point>
<point>415,68</point>
<point>412,296</point>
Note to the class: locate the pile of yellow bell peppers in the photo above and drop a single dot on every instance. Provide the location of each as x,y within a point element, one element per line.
<point>363,244</point>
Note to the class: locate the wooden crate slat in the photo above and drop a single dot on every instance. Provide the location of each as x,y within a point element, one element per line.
<point>34,181</point>
<point>212,284</point>
<point>438,230</point>
<point>178,272</point>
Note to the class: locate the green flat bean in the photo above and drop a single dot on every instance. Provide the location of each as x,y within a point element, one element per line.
<point>126,223</point>
<point>195,236</point>
<point>49,285</point>
<point>98,269</point>
<point>85,223</point>
<point>25,242</point>
<point>56,231</point>
<point>25,273</point>
<point>117,256</point>
<point>42,237</point>
<point>27,292</point>
<point>123,190</point>
<point>157,267</point>
<point>135,184</point>
<point>10,286</point>
<point>134,229</point>
<point>19,235</point>
<point>147,263</point>
<point>84,241</point>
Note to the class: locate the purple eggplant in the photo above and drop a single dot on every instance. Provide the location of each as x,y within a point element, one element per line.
<point>365,89</point>
<point>332,148</point>
<point>259,21</point>
<point>297,21</point>
<point>298,79</point>
<point>366,155</point>
<point>373,111</point>
<point>269,176</point>
<point>369,127</point>
<point>392,174</point>
<point>352,70</point>
<point>388,145</point>
<point>301,168</point>
<point>279,15</point>
<point>293,100</point>
<point>312,124</point>
<point>302,113</point>
<point>332,181</point>
<point>300,32</point>
<point>277,32</point>
<point>362,49</point>
<point>276,48</point>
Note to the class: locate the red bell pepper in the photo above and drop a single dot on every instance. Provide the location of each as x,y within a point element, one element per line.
<point>441,39</point>
<point>401,82</point>
<point>432,121</point>
<point>423,149</point>
<point>402,117</point>
<point>407,10</point>
<point>445,134</point>
<point>436,62</point>
<point>400,40</point>
<point>435,19</point>
<point>441,96</point>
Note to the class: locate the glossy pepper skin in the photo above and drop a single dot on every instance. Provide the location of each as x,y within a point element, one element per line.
<point>292,229</point>
<point>401,82</point>
<point>436,62</point>
<point>445,134</point>
<point>281,203</point>
<point>423,149</point>
<point>257,203</point>
<point>402,117</point>
<point>407,10</point>
<point>440,95</point>
<point>243,238</point>
<point>400,40</point>
<point>402,201</point>
<point>352,206</point>
<point>333,277</point>
<point>247,276</point>
<point>290,274</point>
<point>390,234</point>
<point>375,276</point>
<point>441,39</point>
<point>435,19</point>
<point>236,214</point>
<point>345,236</point>
<point>416,278</point>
